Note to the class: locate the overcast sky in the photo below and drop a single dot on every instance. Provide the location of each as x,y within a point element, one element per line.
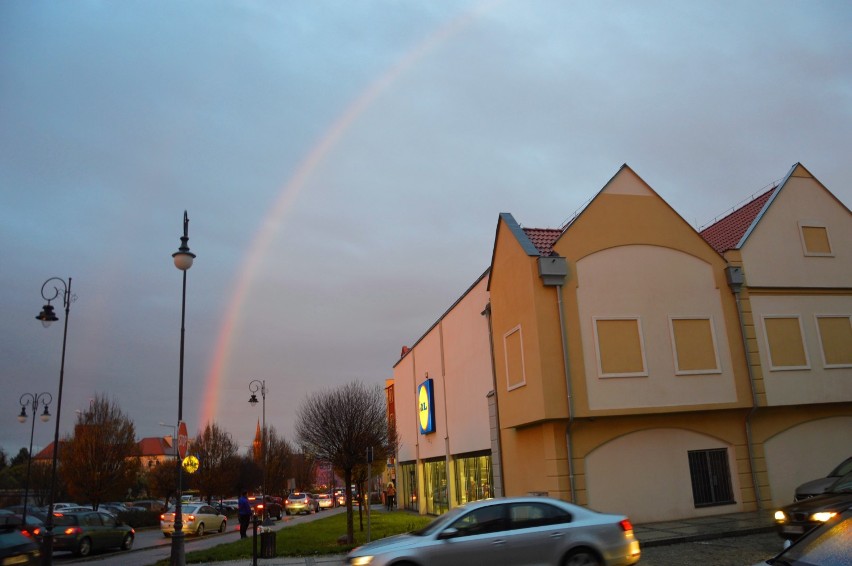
<point>344,165</point>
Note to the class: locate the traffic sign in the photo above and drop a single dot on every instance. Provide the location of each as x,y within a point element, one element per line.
<point>190,464</point>
<point>182,440</point>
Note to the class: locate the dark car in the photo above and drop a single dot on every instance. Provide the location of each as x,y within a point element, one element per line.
<point>819,485</point>
<point>32,528</point>
<point>17,548</point>
<point>86,531</point>
<point>271,506</point>
<point>514,530</point>
<point>799,517</point>
<point>826,545</point>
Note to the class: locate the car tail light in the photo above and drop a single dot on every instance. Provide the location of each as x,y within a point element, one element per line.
<point>626,525</point>
<point>190,518</point>
<point>260,507</point>
<point>163,517</point>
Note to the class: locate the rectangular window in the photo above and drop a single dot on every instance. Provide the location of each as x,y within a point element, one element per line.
<point>694,343</point>
<point>473,478</point>
<point>835,336</point>
<point>406,487</point>
<point>711,477</point>
<point>435,488</point>
<point>621,350</point>
<point>786,345</point>
<point>514,350</point>
<point>815,240</point>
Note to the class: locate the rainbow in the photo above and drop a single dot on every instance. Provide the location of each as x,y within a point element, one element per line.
<point>210,401</point>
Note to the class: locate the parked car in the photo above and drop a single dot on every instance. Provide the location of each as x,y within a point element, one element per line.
<point>825,545</point>
<point>324,501</point>
<point>300,502</point>
<point>513,530</point>
<point>819,485</point>
<point>796,519</point>
<point>150,505</point>
<point>17,548</point>
<point>32,528</point>
<point>83,532</point>
<point>198,518</point>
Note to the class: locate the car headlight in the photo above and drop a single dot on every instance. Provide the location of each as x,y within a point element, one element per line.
<point>823,516</point>
<point>780,516</point>
<point>361,560</point>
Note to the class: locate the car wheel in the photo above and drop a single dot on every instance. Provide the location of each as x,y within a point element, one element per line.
<point>582,557</point>
<point>85,547</point>
<point>200,530</point>
<point>127,544</point>
<point>223,526</point>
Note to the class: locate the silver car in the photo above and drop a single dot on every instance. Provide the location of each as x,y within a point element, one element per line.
<point>511,531</point>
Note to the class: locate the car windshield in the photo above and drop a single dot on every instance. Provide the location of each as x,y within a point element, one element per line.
<point>842,485</point>
<point>827,544</point>
<point>844,468</point>
<point>64,520</point>
<point>298,496</point>
<point>439,522</point>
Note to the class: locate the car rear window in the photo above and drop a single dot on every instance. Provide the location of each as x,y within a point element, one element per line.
<point>64,520</point>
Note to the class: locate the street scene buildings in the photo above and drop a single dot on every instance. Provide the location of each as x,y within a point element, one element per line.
<point>627,362</point>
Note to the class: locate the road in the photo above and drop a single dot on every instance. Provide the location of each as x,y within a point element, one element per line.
<point>150,545</point>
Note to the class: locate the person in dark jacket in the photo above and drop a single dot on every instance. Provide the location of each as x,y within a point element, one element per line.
<point>243,513</point>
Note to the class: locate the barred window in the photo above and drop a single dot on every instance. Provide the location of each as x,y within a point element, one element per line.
<point>711,477</point>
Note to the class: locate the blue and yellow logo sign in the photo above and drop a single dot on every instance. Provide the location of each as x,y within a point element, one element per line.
<point>426,407</point>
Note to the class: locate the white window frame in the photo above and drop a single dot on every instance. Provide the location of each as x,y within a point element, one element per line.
<point>523,382</point>
<point>772,366</point>
<point>805,224</point>
<point>678,371</point>
<point>638,319</point>
<point>825,363</point>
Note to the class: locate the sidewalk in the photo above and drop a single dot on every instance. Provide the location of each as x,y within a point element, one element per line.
<point>649,534</point>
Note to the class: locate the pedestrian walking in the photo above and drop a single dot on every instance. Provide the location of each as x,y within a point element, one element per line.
<point>243,513</point>
<point>391,496</point>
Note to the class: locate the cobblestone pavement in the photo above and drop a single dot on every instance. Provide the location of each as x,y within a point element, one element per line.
<point>728,551</point>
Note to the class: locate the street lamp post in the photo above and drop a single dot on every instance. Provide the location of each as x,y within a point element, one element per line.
<point>33,400</point>
<point>47,316</point>
<point>183,261</point>
<point>255,386</point>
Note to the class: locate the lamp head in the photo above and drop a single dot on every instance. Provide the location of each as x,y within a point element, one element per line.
<point>45,416</point>
<point>22,418</point>
<point>183,257</point>
<point>46,316</point>
<point>253,400</point>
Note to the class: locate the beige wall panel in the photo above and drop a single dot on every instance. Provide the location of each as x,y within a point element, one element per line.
<point>773,254</point>
<point>467,358</point>
<point>645,475</point>
<point>805,452</point>
<point>404,391</point>
<point>652,283</point>
<point>816,384</point>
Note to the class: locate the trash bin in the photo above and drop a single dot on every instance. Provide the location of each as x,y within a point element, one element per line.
<point>267,545</point>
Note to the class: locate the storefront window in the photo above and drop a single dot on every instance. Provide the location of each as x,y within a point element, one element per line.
<point>406,497</point>
<point>473,478</point>
<point>435,488</point>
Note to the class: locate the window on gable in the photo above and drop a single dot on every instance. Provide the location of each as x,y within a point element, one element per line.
<point>514,351</point>
<point>621,350</point>
<point>815,240</point>
<point>835,336</point>
<point>694,343</point>
<point>786,345</point>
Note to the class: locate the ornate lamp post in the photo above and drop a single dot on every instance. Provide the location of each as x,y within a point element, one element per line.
<point>33,400</point>
<point>47,316</point>
<point>183,261</point>
<point>255,386</point>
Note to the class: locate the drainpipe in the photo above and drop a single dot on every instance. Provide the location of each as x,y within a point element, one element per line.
<point>736,278</point>
<point>499,488</point>
<point>553,272</point>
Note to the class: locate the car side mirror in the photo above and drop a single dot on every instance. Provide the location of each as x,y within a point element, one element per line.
<point>448,533</point>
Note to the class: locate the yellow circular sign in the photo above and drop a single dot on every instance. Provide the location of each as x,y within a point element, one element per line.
<point>190,464</point>
<point>423,403</point>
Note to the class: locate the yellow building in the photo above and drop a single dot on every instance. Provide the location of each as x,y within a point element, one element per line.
<point>610,366</point>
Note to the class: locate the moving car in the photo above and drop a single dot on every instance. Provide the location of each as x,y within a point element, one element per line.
<point>271,506</point>
<point>17,548</point>
<point>794,520</point>
<point>513,530</point>
<point>818,486</point>
<point>324,501</point>
<point>826,545</point>
<point>198,518</point>
<point>33,527</point>
<point>83,532</point>
<point>300,502</point>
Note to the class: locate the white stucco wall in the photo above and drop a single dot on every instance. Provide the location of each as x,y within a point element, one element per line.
<point>652,283</point>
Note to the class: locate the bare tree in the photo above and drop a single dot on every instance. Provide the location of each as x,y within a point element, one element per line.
<point>279,463</point>
<point>100,460</point>
<point>217,468</point>
<point>340,425</point>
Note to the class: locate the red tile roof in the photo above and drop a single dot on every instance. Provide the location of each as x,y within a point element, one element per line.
<point>543,238</point>
<point>154,446</point>
<point>727,232</point>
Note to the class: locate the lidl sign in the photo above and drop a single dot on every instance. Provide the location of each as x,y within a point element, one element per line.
<point>426,407</point>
